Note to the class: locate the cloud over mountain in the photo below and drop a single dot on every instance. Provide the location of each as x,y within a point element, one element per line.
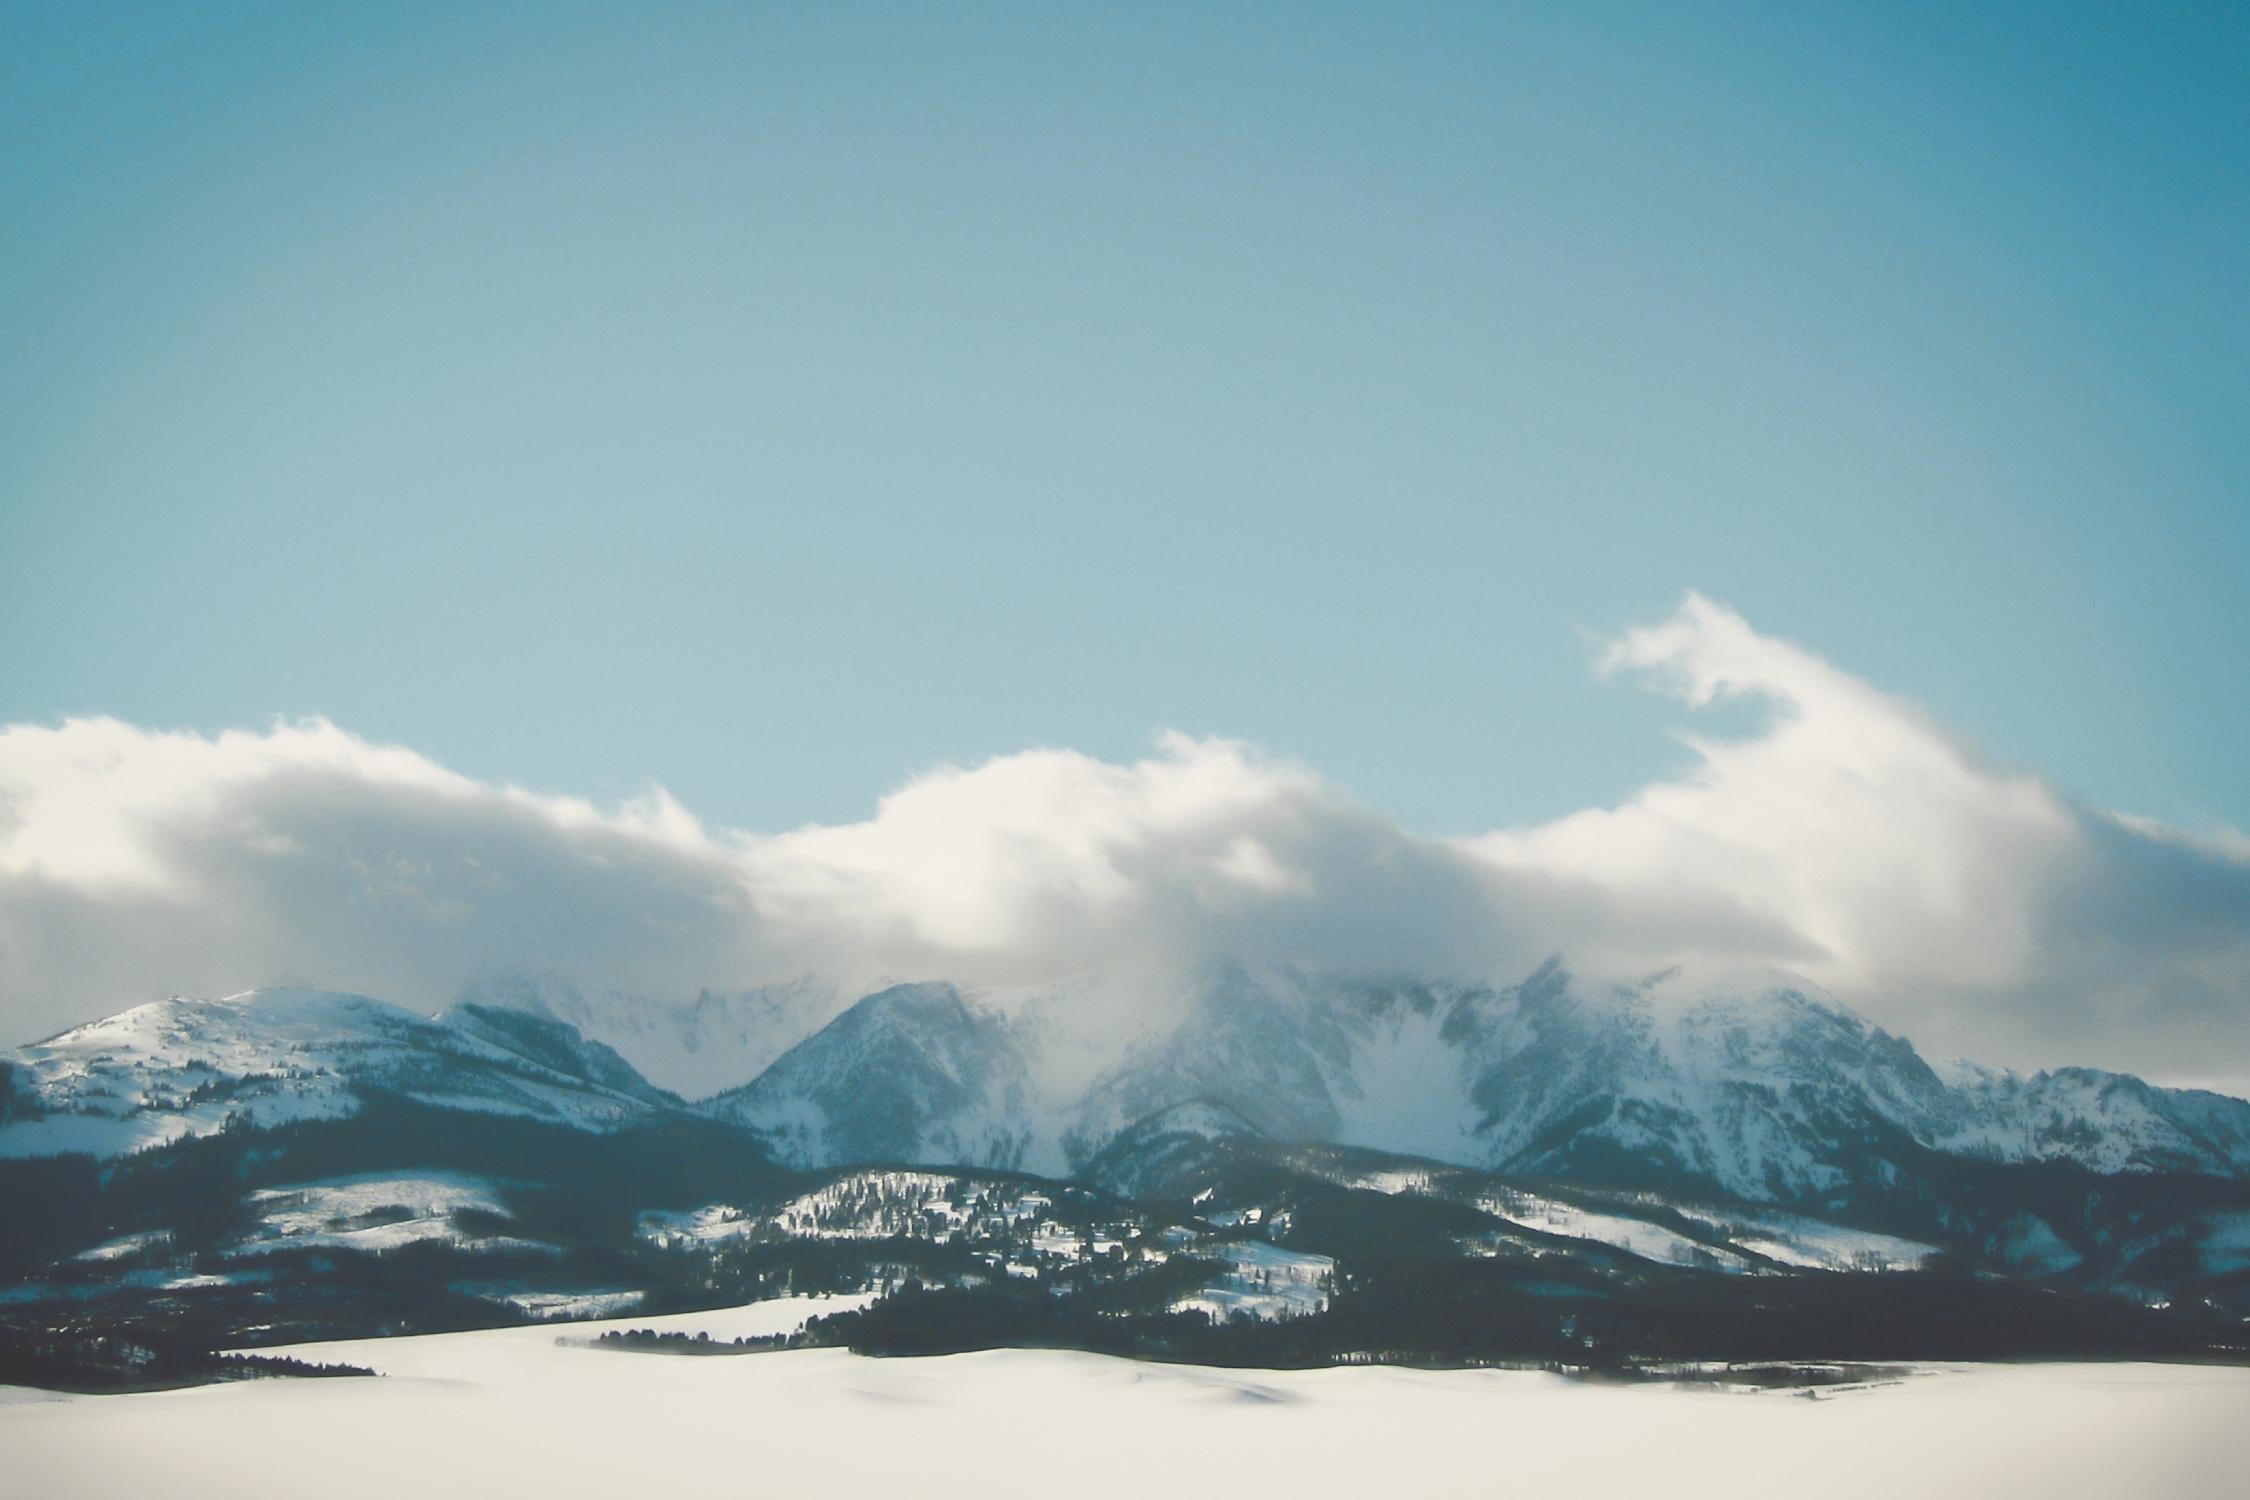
<point>1848,838</point>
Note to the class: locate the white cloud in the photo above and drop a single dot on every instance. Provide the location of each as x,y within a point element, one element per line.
<point>76,803</point>
<point>991,859</point>
<point>1051,863</point>
<point>135,863</point>
<point>1977,908</point>
<point>1892,855</point>
<point>1849,838</point>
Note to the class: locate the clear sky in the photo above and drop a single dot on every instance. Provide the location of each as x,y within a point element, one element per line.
<point>772,401</point>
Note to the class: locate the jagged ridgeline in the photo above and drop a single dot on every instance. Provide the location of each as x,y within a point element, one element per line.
<point>1267,1167</point>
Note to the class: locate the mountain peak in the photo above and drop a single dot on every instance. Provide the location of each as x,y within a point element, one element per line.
<point>911,1073</point>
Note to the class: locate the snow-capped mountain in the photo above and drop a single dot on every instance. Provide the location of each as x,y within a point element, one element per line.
<point>1770,1092</point>
<point>185,1067</point>
<point>718,1041</point>
<point>1766,1092</point>
<point>1659,1165</point>
<point>911,1073</point>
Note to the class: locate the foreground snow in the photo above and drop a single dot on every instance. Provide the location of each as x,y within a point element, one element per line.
<point>525,1411</point>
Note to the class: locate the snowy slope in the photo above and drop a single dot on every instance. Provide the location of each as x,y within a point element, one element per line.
<point>372,1212</point>
<point>185,1067</point>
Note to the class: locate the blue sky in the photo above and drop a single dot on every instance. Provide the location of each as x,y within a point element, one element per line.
<point>772,402</point>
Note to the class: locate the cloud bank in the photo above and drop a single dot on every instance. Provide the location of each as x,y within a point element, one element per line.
<point>1849,839</point>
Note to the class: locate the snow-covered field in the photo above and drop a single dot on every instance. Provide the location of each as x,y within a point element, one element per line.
<point>529,1411</point>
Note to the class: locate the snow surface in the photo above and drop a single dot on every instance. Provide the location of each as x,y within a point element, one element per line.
<point>1812,1244</point>
<point>126,1247</point>
<point>561,1306</point>
<point>1636,1236</point>
<point>521,1411</point>
<point>372,1213</point>
<point>1262,1281</point>
<point>1406,1091</point>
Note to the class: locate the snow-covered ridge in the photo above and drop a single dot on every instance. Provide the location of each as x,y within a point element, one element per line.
<point>1770,1092</point>
<point>1767,1091</point>
<point>183,1067</point>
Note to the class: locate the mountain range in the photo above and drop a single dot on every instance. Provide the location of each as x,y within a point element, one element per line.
<point>1244,1165</point>
<point>1767,1092</point>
